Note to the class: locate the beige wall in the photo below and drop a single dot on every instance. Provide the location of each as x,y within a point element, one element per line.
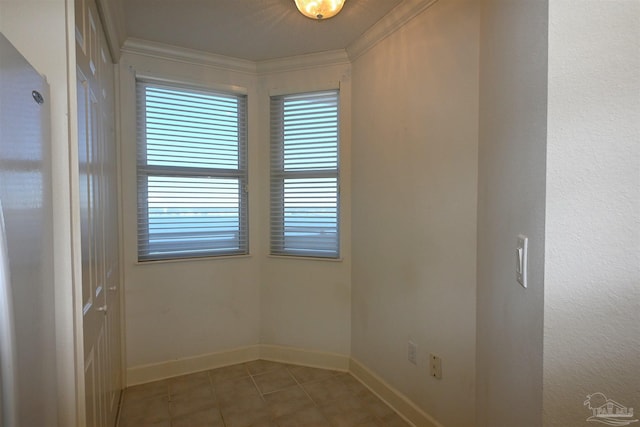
<point>511,201</point>
<point>414,174</point>
<point>592,248</point>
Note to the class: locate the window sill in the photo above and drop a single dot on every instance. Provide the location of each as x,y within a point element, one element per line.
<point>305,258</point>
<point>195,259</point>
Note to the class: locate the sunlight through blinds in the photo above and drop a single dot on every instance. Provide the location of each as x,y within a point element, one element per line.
<point>192,172</point>
<point>305,175</point>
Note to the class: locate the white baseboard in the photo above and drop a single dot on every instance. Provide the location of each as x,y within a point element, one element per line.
<point>392,397</point>
<point>173,368</point>
<point>340,362</point>
<point>296,356</point>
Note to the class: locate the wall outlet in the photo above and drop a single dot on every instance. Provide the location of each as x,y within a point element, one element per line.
<point>435,366</point>
<point>412,354</point>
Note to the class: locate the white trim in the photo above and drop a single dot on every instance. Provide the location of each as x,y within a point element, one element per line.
<point>113,19</point>
<point>118,139</point>
<point>152,77</point>
<point>280,91</point>
<point>303,62</point>
<point>173,368</point>
<point>298,356</point>
<point>391,22</point>
<point>392,397</point>
<point>189,56</point>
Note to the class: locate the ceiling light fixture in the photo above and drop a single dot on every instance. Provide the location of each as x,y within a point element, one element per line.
<point>319,9</point>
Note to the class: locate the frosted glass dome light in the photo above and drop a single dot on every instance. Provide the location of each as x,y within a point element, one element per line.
<point>319,9</point>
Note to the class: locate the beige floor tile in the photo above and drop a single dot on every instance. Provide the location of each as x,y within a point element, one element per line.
<point>274,380</point>
<point>139,423</point>
<point>264,423</point>
<point>192,401</point>
<point>287,401</point>
<point>145,391</point>
<point>203,390</point>
<point>371,422</point>
<point>261,366</point>
<point>394,420</point>
<point>237,417</point>
<point>240,403</point>
<point>203,418</point>
<point>326,390</point>
<point>228,373</point>
<point>353,385</point>
<point>308,417</point>
<point>148,410</point>
<point>187,382</point>
<point>376,406</point>
<point>304,374</point>
<point>257,394</point>
<point>346,412</point>
<point>350,418</point>
<point>231,391</point>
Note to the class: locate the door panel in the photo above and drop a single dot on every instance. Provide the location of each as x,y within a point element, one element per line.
<point>99,213</point>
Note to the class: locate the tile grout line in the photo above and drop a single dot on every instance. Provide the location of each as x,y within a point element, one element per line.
<point>311,378</point>
<point>303,389</point>
<point>215,397</point>
<point>315,404</point>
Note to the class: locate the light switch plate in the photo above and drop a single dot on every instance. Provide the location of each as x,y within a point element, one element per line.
<point>521,259</point>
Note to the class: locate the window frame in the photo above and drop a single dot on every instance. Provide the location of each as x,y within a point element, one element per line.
<point>144,171</point>
<point>278,177</point>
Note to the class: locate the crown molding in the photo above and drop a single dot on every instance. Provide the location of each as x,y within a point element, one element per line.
<point>112,17</point>
<point>391,22</point>
<point>303,62</point>
<point>179,54</point>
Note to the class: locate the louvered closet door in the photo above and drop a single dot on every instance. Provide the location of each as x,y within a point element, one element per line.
<point>99,213</point>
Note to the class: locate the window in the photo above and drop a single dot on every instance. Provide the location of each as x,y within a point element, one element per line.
<point>192,172</point>
<point>305,175</point>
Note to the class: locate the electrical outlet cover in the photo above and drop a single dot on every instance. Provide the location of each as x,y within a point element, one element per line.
<point>435,366</point>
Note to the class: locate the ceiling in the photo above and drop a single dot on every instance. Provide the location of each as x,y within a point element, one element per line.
<point>255,30</point>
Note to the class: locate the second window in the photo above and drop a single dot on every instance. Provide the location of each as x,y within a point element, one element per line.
<point>305,207</point>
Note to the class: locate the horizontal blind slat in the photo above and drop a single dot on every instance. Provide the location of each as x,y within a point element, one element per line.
<point>304,175</point>
<point>192,178</point>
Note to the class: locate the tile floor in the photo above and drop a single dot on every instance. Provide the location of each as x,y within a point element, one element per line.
<point>256,394</point>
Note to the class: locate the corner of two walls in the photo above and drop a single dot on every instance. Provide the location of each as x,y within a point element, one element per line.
<point>512,150</point>
<point>306,303</point>
<point>183,315</point>
<point>414,99</point>
<point>414,174</point>
<point>559,158</point>
<point>178,310</point>
<point>592,266</point>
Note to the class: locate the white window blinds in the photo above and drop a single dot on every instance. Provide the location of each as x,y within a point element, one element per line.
<point>192,172</point>
<point>305,175</point>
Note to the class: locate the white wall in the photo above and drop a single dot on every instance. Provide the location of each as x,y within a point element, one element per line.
<point>592,267</point>
<point>38,29</point>
<point>175,310</point>
<point>190,309</point>
<point>511,201</point>
<point>306,304</point>
<point>414,177</point>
